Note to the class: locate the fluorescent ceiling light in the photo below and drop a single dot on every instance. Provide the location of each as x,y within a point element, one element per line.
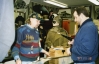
<point>56,3</point>
<point>96,2</point>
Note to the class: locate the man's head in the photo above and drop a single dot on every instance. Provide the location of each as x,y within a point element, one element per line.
<point>57,20</point>
<point>35,15</point>
<point>80,15</point>
<point>34,20</point>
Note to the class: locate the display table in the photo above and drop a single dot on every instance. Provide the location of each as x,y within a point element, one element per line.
<point>58,55</point>
<point>57,60</point>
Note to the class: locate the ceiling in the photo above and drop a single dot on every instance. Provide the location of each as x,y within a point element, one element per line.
<point>70,3</point>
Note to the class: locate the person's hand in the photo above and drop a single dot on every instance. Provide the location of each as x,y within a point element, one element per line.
<point>68,51</point>
<point>71,42</point>
<point>18,61</point>
<point>47,53</point>
<point>44,51</point>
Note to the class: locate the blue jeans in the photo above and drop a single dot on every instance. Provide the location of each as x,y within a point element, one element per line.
<point>86,63</point>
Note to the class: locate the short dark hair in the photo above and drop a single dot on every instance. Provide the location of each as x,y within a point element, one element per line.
<point>83,10</point>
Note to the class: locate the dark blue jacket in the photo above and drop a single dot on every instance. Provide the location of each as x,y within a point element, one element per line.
<point>85,47</point>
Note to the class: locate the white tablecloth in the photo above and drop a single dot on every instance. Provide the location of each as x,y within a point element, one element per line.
<point>65,60</point>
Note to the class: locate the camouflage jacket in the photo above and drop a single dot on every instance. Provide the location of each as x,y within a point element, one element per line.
<point>55,38</point>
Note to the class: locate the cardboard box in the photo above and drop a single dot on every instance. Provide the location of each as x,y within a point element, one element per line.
<point>58,52</point>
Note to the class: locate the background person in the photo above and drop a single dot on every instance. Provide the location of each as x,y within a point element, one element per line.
<point>42,34</point>
<point>54,37</point>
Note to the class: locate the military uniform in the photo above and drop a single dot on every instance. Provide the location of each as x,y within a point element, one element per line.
<point>54,37</point>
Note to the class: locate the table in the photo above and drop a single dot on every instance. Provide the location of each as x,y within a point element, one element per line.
<point>55,60</point>
<point>60,60</point>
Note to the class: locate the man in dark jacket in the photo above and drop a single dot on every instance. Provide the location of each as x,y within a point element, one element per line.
<point>84,48</point>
